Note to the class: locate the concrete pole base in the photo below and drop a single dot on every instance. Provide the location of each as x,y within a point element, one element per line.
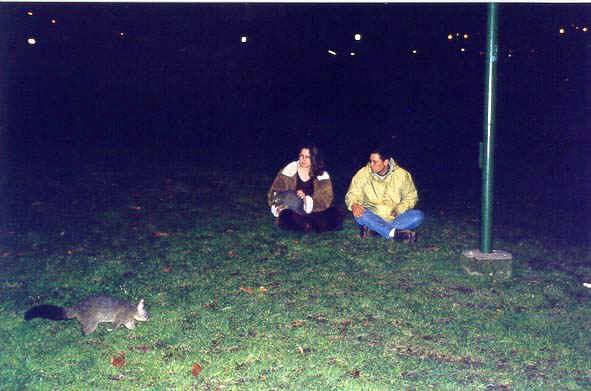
<point>497,265</point>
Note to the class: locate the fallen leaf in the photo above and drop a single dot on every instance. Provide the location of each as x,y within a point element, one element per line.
<point>297,323</point>
<point>166,270</point>
<point>196,369</point>
<point>211,305</point>
<point>355,373</point>
<point>231,253</point>
<point>119,360</point>
<point>263,289</point>
<point>160,234</point>
<point>140,348</point>
<point>263,377</point>
<point>248,290</point>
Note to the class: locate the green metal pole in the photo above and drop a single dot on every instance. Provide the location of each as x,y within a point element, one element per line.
<point>486,155</point>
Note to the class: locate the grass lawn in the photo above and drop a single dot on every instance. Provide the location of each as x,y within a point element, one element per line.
<point>258,309</point>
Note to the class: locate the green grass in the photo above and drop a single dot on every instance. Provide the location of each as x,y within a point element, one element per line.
<point>260,309</point>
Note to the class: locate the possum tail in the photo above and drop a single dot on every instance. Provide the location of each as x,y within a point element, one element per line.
<point>46,311</point>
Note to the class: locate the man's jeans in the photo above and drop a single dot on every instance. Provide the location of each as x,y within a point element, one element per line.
<point>410,219</point>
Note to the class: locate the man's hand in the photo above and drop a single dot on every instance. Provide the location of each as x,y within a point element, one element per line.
<point>300,194</point>
<point>394,214</point>
<point>357,210</point>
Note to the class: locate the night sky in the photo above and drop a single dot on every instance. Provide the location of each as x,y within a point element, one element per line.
<point>176,80</point>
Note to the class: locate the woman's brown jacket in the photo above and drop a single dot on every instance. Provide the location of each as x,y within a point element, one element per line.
<point>286,179</point>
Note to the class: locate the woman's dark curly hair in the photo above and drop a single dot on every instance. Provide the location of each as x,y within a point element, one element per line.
<point>317,167</point>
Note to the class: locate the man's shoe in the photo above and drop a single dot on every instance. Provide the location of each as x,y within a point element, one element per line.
<point>364,232</point>
<point>405,236</point>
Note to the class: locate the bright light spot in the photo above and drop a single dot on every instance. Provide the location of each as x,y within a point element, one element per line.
<point>31,41</point>
<point>358,37</point>
<point>352,53</point>
<point>561,31</point>
<point>462,50</point>
<point>332,52</point>
<point>30,13</point>
<point>466,36</point>
<point>585,29</point>
<point>509,55</point>
<point>243,39</point>
<point>121,34</point>
<point>53,21</point>
<point>414,51</point>
<point>450,37</point>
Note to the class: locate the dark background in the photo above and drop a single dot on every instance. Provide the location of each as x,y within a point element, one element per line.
<point>179,86</point>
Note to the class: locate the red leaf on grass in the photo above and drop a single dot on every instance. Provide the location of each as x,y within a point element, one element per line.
<point>248,290</point>
<point>118,361</point>
<point>196,369</point>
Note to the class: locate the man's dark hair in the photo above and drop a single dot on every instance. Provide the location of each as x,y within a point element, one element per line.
<point>383,151</point>
<point>316,159</point>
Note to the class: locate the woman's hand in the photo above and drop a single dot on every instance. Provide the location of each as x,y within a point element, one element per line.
<point>300,194</point>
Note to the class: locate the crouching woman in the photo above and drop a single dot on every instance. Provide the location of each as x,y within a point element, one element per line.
<point>312,185</point>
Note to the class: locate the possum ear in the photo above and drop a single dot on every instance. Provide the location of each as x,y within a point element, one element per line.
<point>140,306</point>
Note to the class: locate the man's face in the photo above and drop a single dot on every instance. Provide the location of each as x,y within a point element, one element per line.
<point>378,165</point>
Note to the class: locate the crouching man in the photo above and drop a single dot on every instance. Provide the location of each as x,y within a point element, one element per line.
<point>382,196</point>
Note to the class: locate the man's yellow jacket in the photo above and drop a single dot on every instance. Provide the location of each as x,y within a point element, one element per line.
<point>395,191</point>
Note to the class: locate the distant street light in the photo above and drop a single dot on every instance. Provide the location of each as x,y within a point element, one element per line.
<point>358,37</point>
<point>243,39</point>
<point>332,52</point>
<point>31,41</point>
